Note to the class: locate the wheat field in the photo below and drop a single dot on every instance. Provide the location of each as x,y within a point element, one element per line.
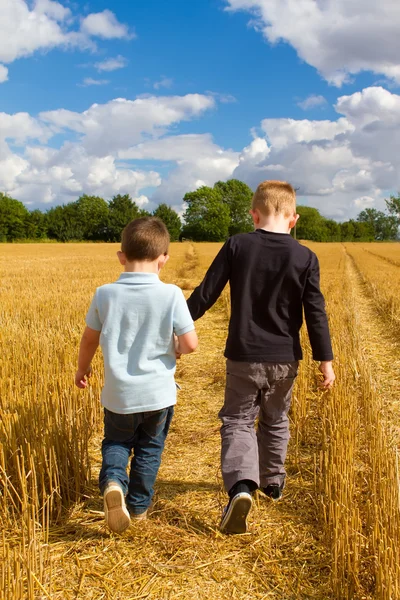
<point>335,534</point>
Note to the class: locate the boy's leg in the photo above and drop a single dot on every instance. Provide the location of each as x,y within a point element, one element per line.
<point>273,425</point>
<point>113,479</point>
<point>148,446</point>
<point>239,451</point>
<point>116,448</point>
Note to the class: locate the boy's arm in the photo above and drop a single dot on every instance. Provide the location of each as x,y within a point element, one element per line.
<point>87,349</point>
<point>317,323</point>
<point>216,278</point>
<point>186,343</point>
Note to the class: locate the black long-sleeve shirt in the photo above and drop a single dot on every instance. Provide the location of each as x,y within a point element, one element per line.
<point>272,278</point>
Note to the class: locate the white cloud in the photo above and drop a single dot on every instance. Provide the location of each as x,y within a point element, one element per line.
<point>364,202</point>
<point>3,74</point>
<point>164,82</point>
<point>46,24</point>
<point>337,37</point>
<point>62,175</point>
<point>285,132</point>
<point>105,25</point>
<point>111,64</point>
<point>141,200</point>
<point>90,81</point>
<point>341,166</point>
<point>52,9</point>
<point>21,127</point>
<point>312,101</point>
<point>197,161</point>
<point>91,162</point>
<point>120,123</point>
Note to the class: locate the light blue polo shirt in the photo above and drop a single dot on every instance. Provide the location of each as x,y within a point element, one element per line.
<point>137,316</point>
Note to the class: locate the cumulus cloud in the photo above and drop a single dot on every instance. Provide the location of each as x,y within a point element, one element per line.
<point>342,165</point>
<point>164,82</point>
<point>337,37</point>
<point>21,127</point>
<point>55,176</point>
<point>120,123</point>
<point>91,163</point>
<point>111,64</point>
<point>197,161</point>
<point>3,74</point>
<point>105,25</point>
<point>130,146</point>
<point>90,81</point>
<point>312,101</point>
<point>48,24</point>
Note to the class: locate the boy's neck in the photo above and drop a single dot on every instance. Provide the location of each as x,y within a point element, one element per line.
<point>142,266</point>
<point>275,224</point>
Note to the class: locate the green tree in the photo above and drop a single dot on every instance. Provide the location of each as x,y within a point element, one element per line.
<point>363,232</point>
<point>36,225</point>
<point>333,230</point>
<point>207,218</point>
<point>311,225</point>
<point>393,206</point>
<point>64,224</point>
<point>385,227</point>
<point>347,231</point>
<point>122,210</point>
<point>93,215</point>
<point>237,197</point>
<point>171,220</point>
<point>13,219</point>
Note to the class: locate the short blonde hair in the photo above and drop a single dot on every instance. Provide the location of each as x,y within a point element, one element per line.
<point>275,198</point>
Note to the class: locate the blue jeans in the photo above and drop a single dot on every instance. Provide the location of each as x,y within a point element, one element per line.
<point>145,434</point>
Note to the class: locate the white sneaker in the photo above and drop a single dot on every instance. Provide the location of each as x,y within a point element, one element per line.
<point>139,517</point>
<point>115,512</point>
<point>235,514</point>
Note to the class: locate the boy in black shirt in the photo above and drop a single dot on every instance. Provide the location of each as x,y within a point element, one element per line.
<point>272,278</point>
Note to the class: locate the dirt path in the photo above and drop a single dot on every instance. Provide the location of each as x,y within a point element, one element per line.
<point>381,346</point>
<point>178,552</point>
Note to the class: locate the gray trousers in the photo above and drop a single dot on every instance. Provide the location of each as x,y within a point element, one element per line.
<point>254,390</point>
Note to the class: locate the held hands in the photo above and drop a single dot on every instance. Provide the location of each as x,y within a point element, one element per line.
<point>326,369</point>
<point>80,377</point>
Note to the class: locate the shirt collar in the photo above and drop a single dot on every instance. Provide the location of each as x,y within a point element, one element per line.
<point>138,278</point>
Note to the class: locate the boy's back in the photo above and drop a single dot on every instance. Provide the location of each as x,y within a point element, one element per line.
<point>137,316</point>
<point>271,278</point>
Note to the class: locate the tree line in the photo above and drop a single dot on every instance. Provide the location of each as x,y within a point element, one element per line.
<point>212,214</point>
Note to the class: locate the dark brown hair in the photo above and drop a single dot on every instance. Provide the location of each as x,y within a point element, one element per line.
<point>145,239</point>
<point>274,198</point>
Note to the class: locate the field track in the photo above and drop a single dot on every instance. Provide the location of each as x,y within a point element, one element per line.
<point>336,533</point>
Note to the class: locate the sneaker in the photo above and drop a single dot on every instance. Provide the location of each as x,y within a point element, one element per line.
<point>235,513</point>
<point>273,491</point>
<point>115,512</point>
<point>139,516</point>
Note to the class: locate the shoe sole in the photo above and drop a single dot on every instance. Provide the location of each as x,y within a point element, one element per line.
<point>234,521</point>
<point>116,515</point>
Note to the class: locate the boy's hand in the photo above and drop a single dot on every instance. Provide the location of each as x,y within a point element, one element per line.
<point>80,378</point>
<point>326,369</point>
<point>178,354</point>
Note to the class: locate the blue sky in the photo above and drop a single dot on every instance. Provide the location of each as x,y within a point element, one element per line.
<point>208,89</point>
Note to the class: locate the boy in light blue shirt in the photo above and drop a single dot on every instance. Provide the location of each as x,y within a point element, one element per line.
<point>136,320</point>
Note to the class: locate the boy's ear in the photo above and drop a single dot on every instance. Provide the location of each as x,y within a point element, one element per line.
<point>121,257</point>
<point>162,260</point>
<point>293,221</point>
<point>255,216</point>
